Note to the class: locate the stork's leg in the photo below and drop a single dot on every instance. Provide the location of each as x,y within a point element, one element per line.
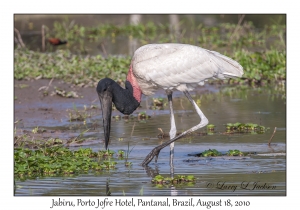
<point>203,122</point>
<point>172,133</point>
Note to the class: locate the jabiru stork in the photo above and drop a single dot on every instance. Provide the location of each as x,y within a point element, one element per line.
<point>169,66</point>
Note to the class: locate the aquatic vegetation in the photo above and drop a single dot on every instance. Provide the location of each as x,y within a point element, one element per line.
<point>57,161</point>
<point>21,86</point>
<point>216,153</point>
<point>210,127</point>
<point>106,153</point>
<point>128,164</point>
<point>159,180</point>
<point>63,93</point>
<point>262,66</point>
<point>38,130</point>
<point>262,53</point>
<point>121,153</point>
<point>80,70</point>
<point>86,71</point>
<point>108,164</point>
<point>79,115</point>
<point>124,155</point>
<point>221,35</point>
<point>127,153</point>
<point>28,141</point>
<point>158,103</point>
<point>244,127</point>
<point>143,116</point>
<point>78,139</point>
<point>210,152</point>
<point>235,153</point>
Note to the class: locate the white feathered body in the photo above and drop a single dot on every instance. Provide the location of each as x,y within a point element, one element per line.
<point>179,66</point>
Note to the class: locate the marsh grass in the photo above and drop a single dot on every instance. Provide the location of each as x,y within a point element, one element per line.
<point>77,139</point>
<point>269,66</point>
<point>260,51</point>
<point>28,140</point>
<point>224,35</point>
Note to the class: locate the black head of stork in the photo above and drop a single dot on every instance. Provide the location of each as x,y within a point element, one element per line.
<point>110,92</point>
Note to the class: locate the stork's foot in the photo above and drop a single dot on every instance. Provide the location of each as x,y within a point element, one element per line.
<point>151,155</point>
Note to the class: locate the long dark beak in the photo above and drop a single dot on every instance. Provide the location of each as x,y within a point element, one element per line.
<point>106,104</point>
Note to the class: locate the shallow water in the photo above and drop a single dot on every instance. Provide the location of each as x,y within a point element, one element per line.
<point>263,173</point>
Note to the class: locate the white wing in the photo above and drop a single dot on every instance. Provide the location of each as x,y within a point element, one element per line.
<point>180,66</point>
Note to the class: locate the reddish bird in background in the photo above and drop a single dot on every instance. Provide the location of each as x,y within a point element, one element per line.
<point>56,41</point>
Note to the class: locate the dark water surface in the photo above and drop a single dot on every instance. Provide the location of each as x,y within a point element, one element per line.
<point>261,174</point>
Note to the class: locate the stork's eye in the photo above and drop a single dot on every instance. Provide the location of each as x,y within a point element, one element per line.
<point>104,89</point>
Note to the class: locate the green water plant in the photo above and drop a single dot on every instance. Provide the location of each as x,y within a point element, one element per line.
<point>142,116</point>
<point>210,152</point>
<point>79,115</point>
<point>28,139</point>
<point>244,127</point>
<point>217,36</point>
<point>235,153</point>
<point>210,127</point>
<point>56,161</point>
<point>64,93</point>
<point>85,71</point>
<point>158,103</point>
<point>126,155</point>
<point>121,154</point>
<point>106,153</point>
<point>178,179</point>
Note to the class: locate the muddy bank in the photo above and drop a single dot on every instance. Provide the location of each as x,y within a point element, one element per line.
<point>32,106</point>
